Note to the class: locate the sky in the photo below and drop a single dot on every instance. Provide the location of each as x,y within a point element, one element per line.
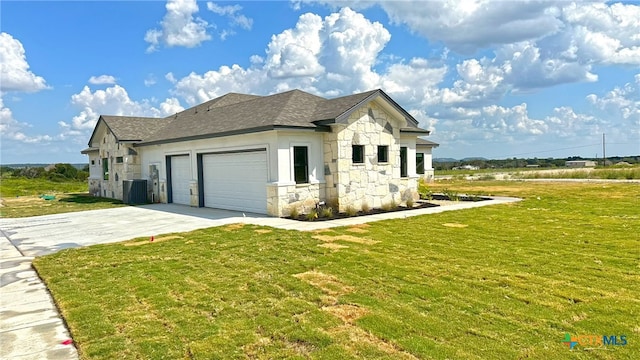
<point>494,79</point>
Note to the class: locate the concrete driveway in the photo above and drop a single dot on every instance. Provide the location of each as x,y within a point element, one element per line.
<point>42,235</point>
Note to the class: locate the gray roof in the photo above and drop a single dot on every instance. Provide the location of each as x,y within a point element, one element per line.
<point>241,113</point>
<point>133,128</point>
<point>426,143</point>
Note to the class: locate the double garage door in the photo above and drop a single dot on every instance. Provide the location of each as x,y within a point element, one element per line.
<point>230,180</point>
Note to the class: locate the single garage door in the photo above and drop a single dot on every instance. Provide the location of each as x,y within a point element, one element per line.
<point>236,181</point>
<point>180,178</point>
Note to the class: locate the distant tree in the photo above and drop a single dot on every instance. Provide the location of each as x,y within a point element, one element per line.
<point>6,171</point>
<point>31,172</point>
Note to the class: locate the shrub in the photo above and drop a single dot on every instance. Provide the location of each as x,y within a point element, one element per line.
<point>409,202</point>
<point>294,213</point>
<point>452,195</point>
<point>392,205</point>
<point>327,212</point>
<point>351,211</point>
<point>312,215</point>
<point>365,206</point>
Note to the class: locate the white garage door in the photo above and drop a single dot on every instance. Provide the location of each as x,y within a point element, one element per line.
<point>236,181</point>
<point>180,178</point>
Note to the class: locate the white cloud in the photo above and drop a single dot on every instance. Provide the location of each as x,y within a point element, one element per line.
<point>14,72</point>
<point>111,101</point>
<point>150,80</point>
<point>294,52</point>
<point>604,33</point>
<point>622,102</point>
<point>102,80</point>
<point>329,56</point>
<point>179,27</point>
<point>233,13</point>
<point>466,26</point>
<point>13,130</point>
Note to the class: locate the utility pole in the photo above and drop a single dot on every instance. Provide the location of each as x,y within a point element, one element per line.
<point>604,154</point>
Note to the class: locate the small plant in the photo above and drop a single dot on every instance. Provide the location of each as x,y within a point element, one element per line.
<point>392,205</point>
<point>327,212</point>
<point>423,190</point>
<point>409,202</point>
<point>365,206</point>
<point>351,211</point>
<point>312,215</point>
<point>451,195</point>
<point>294,213</point>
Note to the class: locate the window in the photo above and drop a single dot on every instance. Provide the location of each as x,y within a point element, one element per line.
<point>119,160</point>
<point>300,164</point>
<point>105,168</point>
<point>93,162</point>
<point>358,154</point>
<point>419,163</point>
<point>403,162</point>
<point>383,153</point>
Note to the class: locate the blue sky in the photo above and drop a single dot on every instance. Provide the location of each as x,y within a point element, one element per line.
<point>493,79</point>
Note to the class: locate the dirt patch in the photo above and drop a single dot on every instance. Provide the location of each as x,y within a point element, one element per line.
<point>349,238</point>
<point>233,227</point>
<point>155,240</point>
<point>263,231</point>
<point>327,283</point>
<point>333,246</point>
<point>347,313</point>
<point>455,225</point>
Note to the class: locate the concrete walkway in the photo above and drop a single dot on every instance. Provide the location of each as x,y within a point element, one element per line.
<point>30,325</point>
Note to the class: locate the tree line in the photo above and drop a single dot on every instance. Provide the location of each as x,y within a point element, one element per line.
<point>522,163</point>
<point>55,172</point>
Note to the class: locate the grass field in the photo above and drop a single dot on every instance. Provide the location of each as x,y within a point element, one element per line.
<point>497,282</point>
<point>612,173</point>
<point>20,197</point>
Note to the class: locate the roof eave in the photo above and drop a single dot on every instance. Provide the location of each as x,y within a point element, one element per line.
<point>415,131</point>
<point>234,132</point>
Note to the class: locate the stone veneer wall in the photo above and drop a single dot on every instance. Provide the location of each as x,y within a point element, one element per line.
<point>129,169</point>
<point>281,199</point>
<point>372,183</point>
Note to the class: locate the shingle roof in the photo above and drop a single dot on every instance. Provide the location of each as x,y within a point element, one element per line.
<point>425,142</point>
<point>133,128</point>
<point>239,113</point>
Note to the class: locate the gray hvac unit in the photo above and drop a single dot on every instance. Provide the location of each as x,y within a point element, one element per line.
<point>134,191</point>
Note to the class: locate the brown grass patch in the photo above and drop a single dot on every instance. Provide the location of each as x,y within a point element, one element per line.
<point>357,230</point>
<point>333,246</point>
<point>155,240</point>
<point>356,337</point>
<point>233,227</point>
<point>263,231</point>
<point>327,283</point>
<point>455,225</point>
<point>345,312</point>
<point>349,238</point>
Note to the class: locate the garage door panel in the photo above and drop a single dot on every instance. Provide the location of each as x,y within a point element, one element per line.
<point>236,181</point>
<point>180,178</point>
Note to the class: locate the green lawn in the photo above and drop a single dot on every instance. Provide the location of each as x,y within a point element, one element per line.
<point>21,197</point>
<point>497,282</point>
